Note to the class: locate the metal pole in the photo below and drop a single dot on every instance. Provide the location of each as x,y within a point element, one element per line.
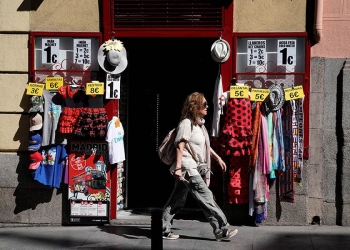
<point>156,229</point>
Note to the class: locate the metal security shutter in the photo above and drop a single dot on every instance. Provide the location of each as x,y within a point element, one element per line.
<point>188,14</point>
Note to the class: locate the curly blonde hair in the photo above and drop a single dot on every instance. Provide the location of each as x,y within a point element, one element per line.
<point>192,106</point>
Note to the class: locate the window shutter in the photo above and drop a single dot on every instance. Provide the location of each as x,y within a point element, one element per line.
<point>191,14</point>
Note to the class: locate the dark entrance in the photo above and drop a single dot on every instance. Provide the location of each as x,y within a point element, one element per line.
<point>160,74</point>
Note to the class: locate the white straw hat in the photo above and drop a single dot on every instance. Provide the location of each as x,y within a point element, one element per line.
<point>220,51</point>
<point>111,56</point>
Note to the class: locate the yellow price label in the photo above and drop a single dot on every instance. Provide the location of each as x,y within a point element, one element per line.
<point>294,93</point>
<point>35,89</point>
<point>239,91</point>
<point>259,95</point>
<point>95,88</point>
<point>53,83</point>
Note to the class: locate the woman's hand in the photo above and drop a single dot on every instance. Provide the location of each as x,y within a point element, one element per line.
<point>178,174</point>
<point>222,164</point>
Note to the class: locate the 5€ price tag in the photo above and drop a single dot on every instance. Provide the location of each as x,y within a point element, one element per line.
<point>94,88</point>
<point>259,95</point>
<point>53,83</point>
<point>239,91</point>
<point>35,89</point>
<point>294,93</point>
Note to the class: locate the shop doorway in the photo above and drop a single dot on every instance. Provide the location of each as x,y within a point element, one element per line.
<point>161,73</point>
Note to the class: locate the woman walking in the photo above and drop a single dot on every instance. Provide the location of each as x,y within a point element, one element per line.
<point>193,147</point>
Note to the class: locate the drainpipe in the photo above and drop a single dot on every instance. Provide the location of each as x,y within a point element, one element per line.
<point>318,20</point>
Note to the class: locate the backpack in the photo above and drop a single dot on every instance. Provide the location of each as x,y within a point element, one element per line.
<point>167,150</point>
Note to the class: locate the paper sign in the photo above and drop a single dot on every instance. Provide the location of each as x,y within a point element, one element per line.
<point>35,89</point>
<point>53,83</point>
<point>259,95</point>
<point>95,88</point>
<point>239,91</point>
<point>294,93</point>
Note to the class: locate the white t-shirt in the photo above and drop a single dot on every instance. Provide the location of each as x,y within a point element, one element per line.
<point>115,139</point>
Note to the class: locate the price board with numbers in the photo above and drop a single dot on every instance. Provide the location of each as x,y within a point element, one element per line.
<point>113,86</point>
<point>35,89</point>
<point>66,54</point>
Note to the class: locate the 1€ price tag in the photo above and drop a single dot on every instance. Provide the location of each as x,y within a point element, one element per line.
<point>239,91</point>
<point>35,89</point>
<point>53,83</point>
<point>94,88</point>
<point>259,95</point>
<point>294,93</point>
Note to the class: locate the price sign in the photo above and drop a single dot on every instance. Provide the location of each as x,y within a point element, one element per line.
<point>50,50</point>
<point>94,88</point>
<point>35,89</point>
<point>256,52</point>
<point>239,91</point>
<point>113,86</point>
<point>82,52</point>
<point>53,83</point>
<point>259,95</point>
<point>294,93</point>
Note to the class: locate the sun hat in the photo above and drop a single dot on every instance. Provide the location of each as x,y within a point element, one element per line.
<point>220,50</point>
<point>35,159</point>
<point>36,122</point>
<point>36,104</point>
<point>275,99</point>
<point>111,56</point>
<point>35,141</point>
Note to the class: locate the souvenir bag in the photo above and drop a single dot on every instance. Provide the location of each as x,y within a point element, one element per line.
<point>167,150</point>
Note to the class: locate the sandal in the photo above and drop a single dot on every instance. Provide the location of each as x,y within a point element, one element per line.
<point>170,236</point>
<point>226,234</point>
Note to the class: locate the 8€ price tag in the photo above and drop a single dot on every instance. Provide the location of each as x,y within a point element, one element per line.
<point>95,88</point>
<point>239,91</point>
<point>294,93</point>
<point>259,95</point>
<point>53,83</point>
<point>35,89</point>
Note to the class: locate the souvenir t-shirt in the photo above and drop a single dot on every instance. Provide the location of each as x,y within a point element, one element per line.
<point>115,139</point>
<point>49,173</point>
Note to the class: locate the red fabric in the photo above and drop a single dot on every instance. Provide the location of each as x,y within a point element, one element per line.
<point>236,133</point>
<point>238,186</point>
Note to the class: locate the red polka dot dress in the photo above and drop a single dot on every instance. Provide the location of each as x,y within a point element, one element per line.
<point>236,142</point>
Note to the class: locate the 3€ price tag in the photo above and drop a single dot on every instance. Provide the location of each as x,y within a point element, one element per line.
<point>35,89</point>
<point>294,93</point>
<point>259,95</point>
<point>94,88</point>
<point>53,83</point>
<point>239,91</point>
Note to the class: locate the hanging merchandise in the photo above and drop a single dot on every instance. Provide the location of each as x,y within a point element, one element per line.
<point>36,122</point>
<point>35,141</point>
<point>36,104</point>
<point>115,139</point>
<point>88,182</point>
<point>52,111</point>
<point>220,50</point>
<point>49,173</point>
<point>111,56</point>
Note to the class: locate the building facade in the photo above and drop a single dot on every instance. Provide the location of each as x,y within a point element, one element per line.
<point>165,64</point>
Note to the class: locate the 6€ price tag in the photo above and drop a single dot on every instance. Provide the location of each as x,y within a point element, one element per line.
<point>294,93</point>
<point>259,95</point>
<point>239,91</point>
<point>35,89</point>
<point>53,83</point>
<point>95,88</point>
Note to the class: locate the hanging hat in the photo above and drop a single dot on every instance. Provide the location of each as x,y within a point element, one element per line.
<point>35,160</point>
<point>111,56</point>
<point>35,141</point>
<point>275,99</point>
<point>36,104</point>
<point>36,122</point>
<point>220,51</point>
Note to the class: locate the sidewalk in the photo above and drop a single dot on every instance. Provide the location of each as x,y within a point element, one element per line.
<point>133,231</point>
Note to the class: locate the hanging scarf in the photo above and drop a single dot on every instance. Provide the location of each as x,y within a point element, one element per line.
<point>300,119</point>
<point>264,150</point>
<point>270,144</point>
<point>256,134</point>
<point>278,146</point>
